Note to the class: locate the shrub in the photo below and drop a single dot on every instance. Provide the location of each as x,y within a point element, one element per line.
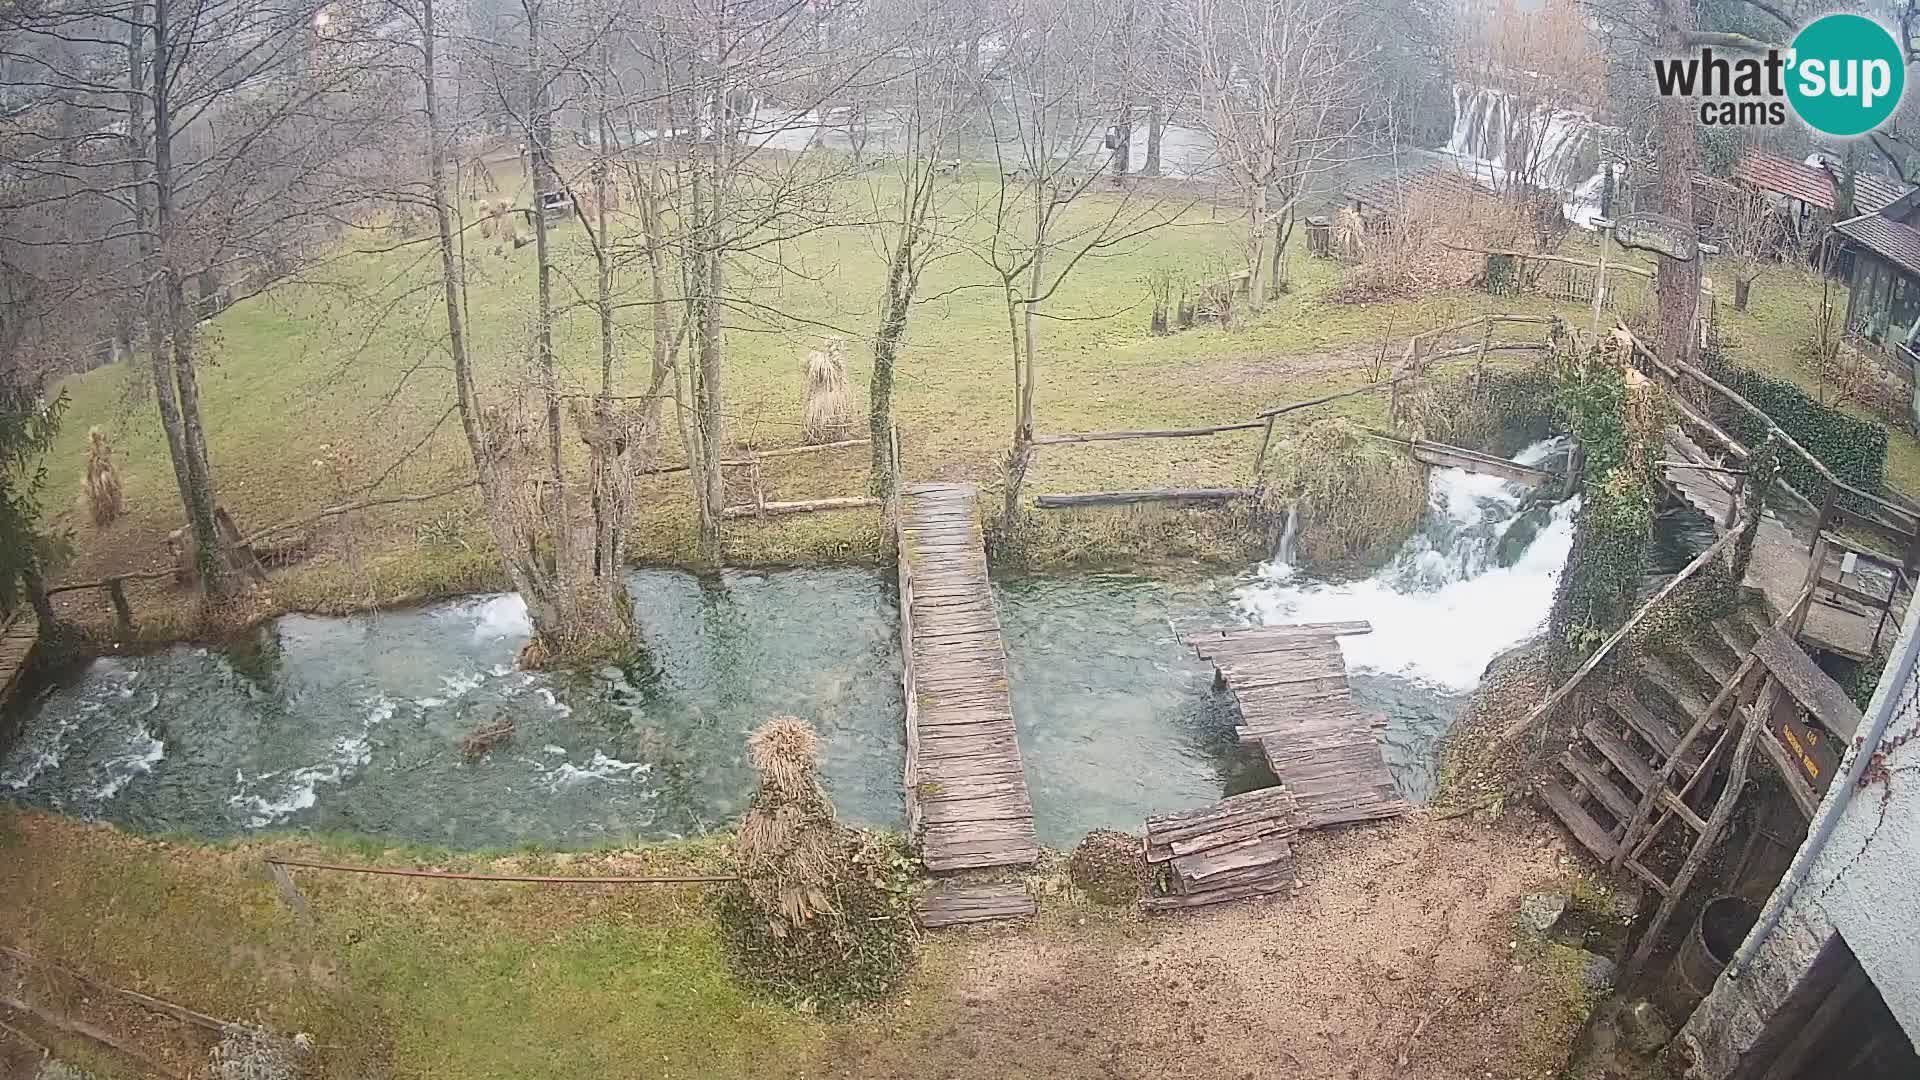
<point>103,480</point>
<point>1856,450</point>
<point>821,916</point>
<point>1358,498</point>
<point>1108,866</point>
<point>829,414</point>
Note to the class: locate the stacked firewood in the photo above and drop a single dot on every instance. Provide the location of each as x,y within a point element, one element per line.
<point>1239,847</point>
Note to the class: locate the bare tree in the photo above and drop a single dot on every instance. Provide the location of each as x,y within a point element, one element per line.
<point>1284,89</point>
<point>1057,91</point>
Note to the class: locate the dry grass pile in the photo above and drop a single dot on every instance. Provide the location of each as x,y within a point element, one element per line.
<point>1358,498</point>
<point>1416,252</point>
<point>821,915</point>
<point>829,414</point>
<point>102,484</point>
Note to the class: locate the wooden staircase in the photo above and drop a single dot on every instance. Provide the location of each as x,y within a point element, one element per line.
<point>1640,754</point>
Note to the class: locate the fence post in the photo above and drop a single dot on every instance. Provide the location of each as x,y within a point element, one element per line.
<point>1260,458</point>
<point>1826,514</point>
<point>122,611</point>
<point>1733,506</point>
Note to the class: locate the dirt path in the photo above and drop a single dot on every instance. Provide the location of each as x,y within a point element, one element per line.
<point>1396,929</point>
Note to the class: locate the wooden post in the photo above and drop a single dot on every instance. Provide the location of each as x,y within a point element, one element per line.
<point>753,478</point>
<point>1703,844</point>
<point>1480,365</point>
<point>1733,505</point>
<point>1260,459</point>
<point>1826,514</point>
<point>122,611</point>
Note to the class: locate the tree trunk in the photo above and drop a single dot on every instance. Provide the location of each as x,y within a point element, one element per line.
<point>1741,288</point>
<point>515,557</point>
<point>1677,284</point>
<point>138,149</point>
<point>540,123</point>
<point>1156,126</point>
<point>1123,146</point>
<point>1256,248</point>
<point>200,497</point>
<point>1282,232</point>
<point>886,346</point>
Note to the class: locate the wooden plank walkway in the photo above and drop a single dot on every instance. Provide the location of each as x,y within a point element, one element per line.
<point>1780,558</point>
<point>1291,685</point>
<point>17,641</point>
<point>953,904</point>
<point>967,801</point>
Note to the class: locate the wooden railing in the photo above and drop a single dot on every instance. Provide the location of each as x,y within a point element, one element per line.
<point>1883,515</point>
<point>1415,360</point>
<point>1518,727</point>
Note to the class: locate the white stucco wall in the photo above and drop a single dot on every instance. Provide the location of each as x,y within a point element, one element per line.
<point>1867,878</point>
<point>1864,883</point>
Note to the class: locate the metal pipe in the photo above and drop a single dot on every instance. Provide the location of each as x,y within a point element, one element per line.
<point>1886,700</point>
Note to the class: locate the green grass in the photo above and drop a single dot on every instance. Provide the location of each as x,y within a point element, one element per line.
<point>319,388</point>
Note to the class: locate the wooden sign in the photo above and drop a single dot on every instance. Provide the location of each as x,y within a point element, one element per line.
<point>1810,749</point>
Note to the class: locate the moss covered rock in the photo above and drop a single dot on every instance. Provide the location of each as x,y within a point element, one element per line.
<point>1109,868</point>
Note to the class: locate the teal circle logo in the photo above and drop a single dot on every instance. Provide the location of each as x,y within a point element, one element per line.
<point>1847,74</point>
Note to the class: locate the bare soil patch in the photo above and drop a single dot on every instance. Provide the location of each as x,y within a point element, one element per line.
<point>1394,929</point>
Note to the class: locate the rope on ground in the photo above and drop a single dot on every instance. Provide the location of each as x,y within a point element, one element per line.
<point>538,879</point>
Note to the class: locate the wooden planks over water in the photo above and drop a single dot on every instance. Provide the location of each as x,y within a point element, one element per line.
<point>17,639</point>
<point>1239,847</point>
<point>966,789</point>
<point>1291,685</point>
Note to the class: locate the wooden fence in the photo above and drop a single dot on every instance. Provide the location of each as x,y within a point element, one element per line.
<point>1415,360</point>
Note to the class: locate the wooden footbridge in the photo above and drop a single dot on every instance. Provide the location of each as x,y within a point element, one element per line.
<point>966,789</point>
<point>18,636</point>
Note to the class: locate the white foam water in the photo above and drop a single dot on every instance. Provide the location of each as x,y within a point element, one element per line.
<point>602,767</point>
<point>300,788</point>
<point>1443,608</point>
<point>500,616</point>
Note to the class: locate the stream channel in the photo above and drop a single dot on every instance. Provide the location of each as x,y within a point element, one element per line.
<point>353,723</point>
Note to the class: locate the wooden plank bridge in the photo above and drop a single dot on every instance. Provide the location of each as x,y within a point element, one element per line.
<point>1291,685</point>
<point>1782,561</point>
<point>966,788</point>
<point>17,640</point>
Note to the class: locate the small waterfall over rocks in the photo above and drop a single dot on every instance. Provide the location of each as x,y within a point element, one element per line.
<point>1568,158</point>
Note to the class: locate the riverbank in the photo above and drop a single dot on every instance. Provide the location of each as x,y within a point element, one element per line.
<point>278,457</point>
<point>1396,948</point>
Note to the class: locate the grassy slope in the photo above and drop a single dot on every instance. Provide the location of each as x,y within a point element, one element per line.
<point>350,368</point>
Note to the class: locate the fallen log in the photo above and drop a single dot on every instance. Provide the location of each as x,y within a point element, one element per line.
<point>809,506</point>
<point>1123,498</point>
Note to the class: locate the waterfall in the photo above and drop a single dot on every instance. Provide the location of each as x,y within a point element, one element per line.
<point>1283,551</point>
<point>1567,160</point>
<point>1444,606</point>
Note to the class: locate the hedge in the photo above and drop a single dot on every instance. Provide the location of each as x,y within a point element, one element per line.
<point>1856,450</point>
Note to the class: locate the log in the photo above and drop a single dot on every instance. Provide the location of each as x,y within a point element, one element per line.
<point>761,455</point>
<point>809,506</point>
<point>1120,436</point>
<point>1123,498</point>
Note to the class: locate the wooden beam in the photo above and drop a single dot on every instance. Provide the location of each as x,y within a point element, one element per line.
<point>1121,436</point>
<point>1123,498</point>
<point>850,502</point>
<point>1702,845</point>
<point>1515,729</point>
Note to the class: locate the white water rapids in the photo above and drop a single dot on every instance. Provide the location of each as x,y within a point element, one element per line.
<point>1444,606</point>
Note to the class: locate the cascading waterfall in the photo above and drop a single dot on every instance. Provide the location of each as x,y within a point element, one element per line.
<point>1567,160</point>
<point>1444,606</point>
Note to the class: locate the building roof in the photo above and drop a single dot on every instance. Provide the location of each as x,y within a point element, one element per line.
<point>1809,184</point>
<point>1389,193</point>
<point>1812,184</point>
<point>1895,241</point>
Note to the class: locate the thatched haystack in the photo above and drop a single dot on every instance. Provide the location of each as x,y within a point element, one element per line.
<point>102,483</point>
<point>1358,499</point>
<point>829,415</point>
<point>821,914</point>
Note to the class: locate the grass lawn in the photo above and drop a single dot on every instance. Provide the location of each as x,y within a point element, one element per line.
<point>320,388</point>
